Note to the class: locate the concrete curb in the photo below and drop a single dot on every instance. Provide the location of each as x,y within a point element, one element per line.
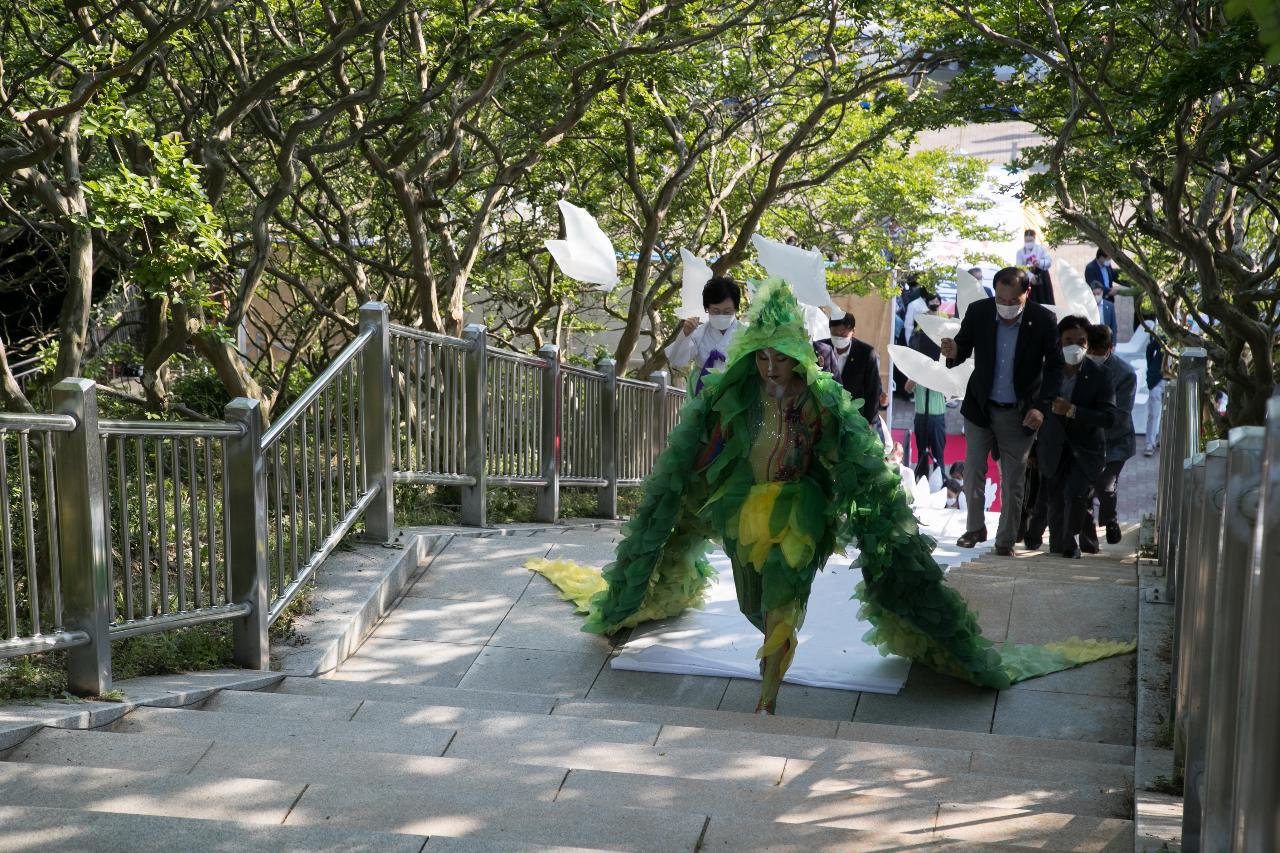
<point>20,721</point>
<point>1157,817</point>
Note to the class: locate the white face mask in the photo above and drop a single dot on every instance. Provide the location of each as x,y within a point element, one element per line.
<point>1029,241</point>
<point>1073,354</point>
<point>1096,359</point>
<point>1008,312</point>
<point>721,322</point>
<point>1097,299</point>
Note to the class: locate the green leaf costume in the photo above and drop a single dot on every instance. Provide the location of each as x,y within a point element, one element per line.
<point>778,531</point>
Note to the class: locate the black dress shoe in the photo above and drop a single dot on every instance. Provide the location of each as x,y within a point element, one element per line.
<point>1072,554</point>
<point>972,538</point>
<point>1002,551</point>
<point>1113,533</point>
<point>1032,544</point>
<point>1089,547</point>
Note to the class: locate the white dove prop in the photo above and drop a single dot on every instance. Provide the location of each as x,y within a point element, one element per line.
<point>938,327</point>
<point>968,291</point>
<point>694,276</point>
<point>934,375</point>
<point>1073,294</point>
<point>805,270</point>
<point>585,254</point>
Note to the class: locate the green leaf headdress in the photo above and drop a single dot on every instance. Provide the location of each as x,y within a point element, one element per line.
<point>773,320</point>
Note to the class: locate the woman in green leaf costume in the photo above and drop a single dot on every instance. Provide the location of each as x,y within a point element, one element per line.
<point>773,461</point>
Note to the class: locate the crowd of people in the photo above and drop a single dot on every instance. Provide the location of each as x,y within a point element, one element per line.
<point>1048,399</point>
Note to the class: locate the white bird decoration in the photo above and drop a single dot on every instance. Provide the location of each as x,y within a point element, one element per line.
<point>938,327</point>
<point>586,253</point>
<point>968,291</point>
<point>932,374</point>
<point>694,276</point>
<point>1073,294</point>
<point>804,269</point>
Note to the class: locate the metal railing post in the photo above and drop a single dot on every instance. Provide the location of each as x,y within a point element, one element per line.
<point>659,436</point>
<point>475,420</point>
<point>1185,548</point>
<point>1240,513</point>
<point>1195,603</point>
<point>607,497</point>
<point>1164,495</point>
<point>1191,375</point>
<point>247,526</point>
<point>548,503</point>
<point>82,538</point>
<point>1254,824</point>
<point>375,409</point>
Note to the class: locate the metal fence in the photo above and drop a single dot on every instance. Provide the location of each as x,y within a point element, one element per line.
<point>490,418</point>
<point>1217,541</point>
<point>116,528</point>
<point>165,499</point>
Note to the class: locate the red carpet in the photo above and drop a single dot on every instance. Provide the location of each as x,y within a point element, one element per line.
<point>954,452</point>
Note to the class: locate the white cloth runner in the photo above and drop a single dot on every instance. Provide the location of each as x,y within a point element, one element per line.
<point>719,641</point>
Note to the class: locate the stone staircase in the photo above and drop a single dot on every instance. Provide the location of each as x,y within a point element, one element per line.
<point>333,763</point>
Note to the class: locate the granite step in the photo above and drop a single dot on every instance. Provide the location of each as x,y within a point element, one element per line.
<point>743,832</point>
<point>877,793</point>
<point>546,751</point>
<point>453,697</point>
<point>1101,753</point>
<point>202,756</point>
<point>476,720</point>
<point>798,784</point>
<point>38,829</point>
<point>334,735</point>
<point>431,810</point>
<point>578,742</point>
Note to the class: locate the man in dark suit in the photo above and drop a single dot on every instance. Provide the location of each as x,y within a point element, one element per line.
<point>1121,441</point>
<point>1071,450</point>
<point>1009,338</point>
<point>1100,271</point>
<point>1106,312</point>
<point>857,366</point>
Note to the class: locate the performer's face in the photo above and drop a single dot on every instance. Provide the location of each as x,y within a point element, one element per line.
<point>724,307</point>
<point>776,370</point>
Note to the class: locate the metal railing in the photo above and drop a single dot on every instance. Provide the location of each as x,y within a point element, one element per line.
<point>471,415</point>
<point>117,528</point>
<point>34,616</point>
<point>1218,543</point>
<point>165,497</point>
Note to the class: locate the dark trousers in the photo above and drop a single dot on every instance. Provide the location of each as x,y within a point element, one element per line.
<point>1069,499</point>
<point>931,441</point>
<point>1105,490</point>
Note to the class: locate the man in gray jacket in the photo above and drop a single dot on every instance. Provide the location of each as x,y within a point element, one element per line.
<point>1121,442</point>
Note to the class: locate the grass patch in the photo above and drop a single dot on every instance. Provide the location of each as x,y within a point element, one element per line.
<point>1165,785</point>
<point>424,506</point>
<point>200,647</point>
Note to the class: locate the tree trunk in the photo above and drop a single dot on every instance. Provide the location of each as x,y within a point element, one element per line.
<point>73,322</point>
<point>11,397</point>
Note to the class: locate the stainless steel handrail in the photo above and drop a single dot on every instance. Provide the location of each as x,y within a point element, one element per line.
<point>183,429</point>
<point>43,423</point>
<point>318,386</point>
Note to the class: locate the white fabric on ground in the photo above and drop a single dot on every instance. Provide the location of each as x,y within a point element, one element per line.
<point>719,641</point>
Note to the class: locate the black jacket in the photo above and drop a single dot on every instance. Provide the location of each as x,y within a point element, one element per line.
<point>861,376</point>
<point>1037,341</point>
<point>1121,441</point>
<point>1093,272</point>
<point>1096,412</point>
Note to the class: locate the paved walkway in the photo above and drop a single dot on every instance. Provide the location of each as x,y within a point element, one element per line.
<point>477,619</point>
